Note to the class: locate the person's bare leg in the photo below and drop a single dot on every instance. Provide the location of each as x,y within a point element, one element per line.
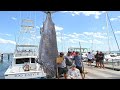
<point>90,63</point>
<point>82,75</point>
<point>103,66</point>
<point>65,76</point>
<point>97,64</point>
<point>100,65</point>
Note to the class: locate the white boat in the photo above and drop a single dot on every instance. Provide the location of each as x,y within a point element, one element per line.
<point>112,57</point>
<point>22,60</point>
<point>84,55</point>
<point>24,64</point>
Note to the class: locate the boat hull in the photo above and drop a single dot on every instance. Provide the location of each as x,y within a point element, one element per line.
<point>26,75</point>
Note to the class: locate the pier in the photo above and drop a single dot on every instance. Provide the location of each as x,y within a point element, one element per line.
<point>100,73</point>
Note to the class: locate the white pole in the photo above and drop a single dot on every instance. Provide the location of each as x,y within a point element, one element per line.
<point>107,32</point>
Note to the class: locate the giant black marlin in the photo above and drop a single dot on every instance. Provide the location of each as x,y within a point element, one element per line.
<point>48,46</point>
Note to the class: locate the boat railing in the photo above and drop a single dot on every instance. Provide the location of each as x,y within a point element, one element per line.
<point>25,53</point>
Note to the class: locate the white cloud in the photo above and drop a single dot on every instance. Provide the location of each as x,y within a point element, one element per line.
<point>8,34</point>
<point>3,41</point>
<point>113,19</point>
<point>5,34</point>
<point>95,34</point>
<point>97,41</point>
<point>38,37</point>
<point>59,39</point>
<point>118,16</point>
<point>13,18</point>
<point>86,13</point>
<point>38,27</point>
<point>57,28</point>
<point>103,28</point>
<point>117,32</point>
<point>88,33</point>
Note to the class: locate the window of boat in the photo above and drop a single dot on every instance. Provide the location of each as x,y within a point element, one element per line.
<point>22,60</point>
<point>118,54</point>
<point>32,60</point>
<point>112,55</point>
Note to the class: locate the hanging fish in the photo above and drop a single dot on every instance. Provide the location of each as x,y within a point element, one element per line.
<point>48,46</point>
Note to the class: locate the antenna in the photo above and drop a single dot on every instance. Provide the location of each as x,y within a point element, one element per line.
<point>80,46</point>
<point>92,44</point>
<point>61,41</point>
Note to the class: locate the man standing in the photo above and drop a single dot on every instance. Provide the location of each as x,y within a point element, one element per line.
<point>90,57</point>
<point>78,62</point>
<point>101,60</point>
<point>61,63</point>
<point>97,57</point>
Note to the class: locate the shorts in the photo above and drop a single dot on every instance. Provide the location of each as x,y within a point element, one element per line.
<point>62,70</point>
<point>97,60</point>
<point>80,68</point>
<point>101,61</point>
<point>89,60</point>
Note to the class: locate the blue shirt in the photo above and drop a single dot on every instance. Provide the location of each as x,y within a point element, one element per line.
<point>78,60</point>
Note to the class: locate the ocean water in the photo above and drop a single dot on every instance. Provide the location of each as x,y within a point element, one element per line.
<point>5,64</point>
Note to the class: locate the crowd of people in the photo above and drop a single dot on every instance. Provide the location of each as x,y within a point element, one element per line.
<point>70,65</point>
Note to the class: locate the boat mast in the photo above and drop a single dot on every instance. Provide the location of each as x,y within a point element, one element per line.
<point>107,32</point>
<point>113,31</point>
<point>92,44</point>
<point>62,41</point>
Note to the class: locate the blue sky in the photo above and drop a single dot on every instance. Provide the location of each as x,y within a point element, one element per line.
<point>86,27</point>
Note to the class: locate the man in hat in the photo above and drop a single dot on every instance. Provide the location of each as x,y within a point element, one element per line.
<point>61,64</point>
<point>73,73</point>
<point>78,62</point>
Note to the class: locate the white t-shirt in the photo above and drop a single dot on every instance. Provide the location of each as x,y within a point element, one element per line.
<point>74,74</point>
<point>90,56</point>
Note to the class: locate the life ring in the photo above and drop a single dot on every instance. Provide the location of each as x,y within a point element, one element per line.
<point>26,67</point>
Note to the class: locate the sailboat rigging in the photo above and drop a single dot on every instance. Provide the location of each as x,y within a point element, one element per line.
<point>111,56</point>
<point>113,31</point>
